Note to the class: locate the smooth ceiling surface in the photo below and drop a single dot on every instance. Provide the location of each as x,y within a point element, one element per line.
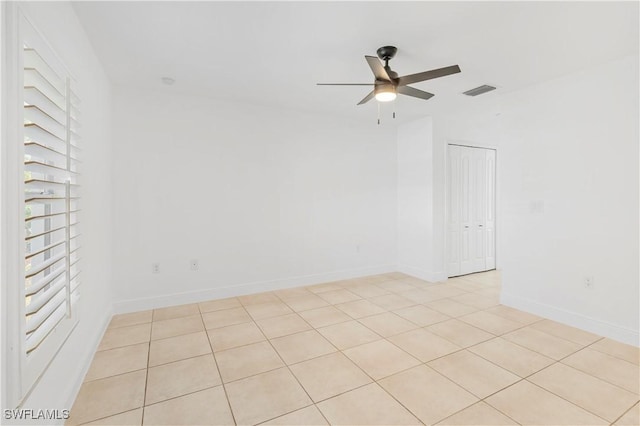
<point>273,53</point>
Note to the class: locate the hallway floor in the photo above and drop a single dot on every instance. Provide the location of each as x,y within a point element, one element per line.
<point>385,349</point>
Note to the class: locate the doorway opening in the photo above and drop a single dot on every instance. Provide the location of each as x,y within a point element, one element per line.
<point>471,209</point>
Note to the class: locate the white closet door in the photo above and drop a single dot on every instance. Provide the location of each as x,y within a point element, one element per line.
<point>478,208</point>
<point>470,210</point>
<point>490,218</point>
<point>467,197</point>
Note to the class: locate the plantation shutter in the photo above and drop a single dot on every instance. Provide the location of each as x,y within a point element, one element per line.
<point>51,204</point>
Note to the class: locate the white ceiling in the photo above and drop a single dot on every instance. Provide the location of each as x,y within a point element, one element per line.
<point>273,53</point>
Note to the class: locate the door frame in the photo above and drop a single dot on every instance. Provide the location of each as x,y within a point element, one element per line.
<point>497,203</point>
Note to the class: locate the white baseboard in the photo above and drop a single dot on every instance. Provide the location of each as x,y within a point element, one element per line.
<point>422,273</point>
<point>574,319</point>
<point>141,304</point>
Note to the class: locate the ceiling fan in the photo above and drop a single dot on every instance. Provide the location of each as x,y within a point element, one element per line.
<point>387,84</point>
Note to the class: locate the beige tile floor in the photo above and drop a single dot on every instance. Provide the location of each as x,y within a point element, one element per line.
<point>386,349</point>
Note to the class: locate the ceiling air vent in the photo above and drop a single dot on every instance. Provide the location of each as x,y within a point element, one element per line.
<point>479,90</point>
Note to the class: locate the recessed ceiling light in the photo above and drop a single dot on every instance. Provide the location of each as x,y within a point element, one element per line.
<point>168,80</point>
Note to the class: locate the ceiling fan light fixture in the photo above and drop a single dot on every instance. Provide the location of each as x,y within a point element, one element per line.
<point>388,84</point>
<point>385,93</point>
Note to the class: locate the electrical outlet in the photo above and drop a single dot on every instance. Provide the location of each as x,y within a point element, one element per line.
<point>155,268</point>
<point>194,265</point>
<point>588,282</point>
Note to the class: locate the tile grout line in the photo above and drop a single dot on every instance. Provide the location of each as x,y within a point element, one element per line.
<point>106,417</point>
<point>485,402</point>
<point>180,396</point>
<point>296,377</point>
<point>437,372</point>
<point>224,388</point>
<point>625,413</point>
<point>566,400</point>
<point>117,347</point>
<point>291,412</point>
<point>122,374</point>
<point>115,375</point>
<point>521,379</point>
<point>110,327</point>
<point>314,328</point>
<point>350,390</point>
<point>346,288</point>
<point>297,380</point>
<point>424,363</point>
<point>146,376</point>
<point>268,340</point>
<point>547,390</point>
<point>373,380</point>
<point>291,372</point>
<point>612,355</point>
<point>589,374</point>
<point>583,372</point>
<point>465,389</point>
<point>553,363</point>
<point>287,334</point>
<point>213,331</point>
<point>177,335</point>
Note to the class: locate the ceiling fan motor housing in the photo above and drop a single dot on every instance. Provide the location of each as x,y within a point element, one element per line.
<point>387,52</point>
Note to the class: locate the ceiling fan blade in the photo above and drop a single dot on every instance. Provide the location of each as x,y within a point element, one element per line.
<point>344,84</point>
<point>410,91</point>
<point>428,75</point>
<point>367,98</point>
<point>377,68</point>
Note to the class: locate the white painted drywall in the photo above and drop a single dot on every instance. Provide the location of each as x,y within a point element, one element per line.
<point>262,198</point>
<point>569,176</point>
<point>567,194</point>
<point>58,23</point>
<point>415,199</point>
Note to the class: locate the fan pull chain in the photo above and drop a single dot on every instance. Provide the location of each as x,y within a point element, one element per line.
<point>378,113</point>
<point>394,108</point>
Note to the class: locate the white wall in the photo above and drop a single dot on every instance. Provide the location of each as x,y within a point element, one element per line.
<point>570,145</point>
<point>261,198</point>
<point>416,231</point>
<point>58,386</point>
